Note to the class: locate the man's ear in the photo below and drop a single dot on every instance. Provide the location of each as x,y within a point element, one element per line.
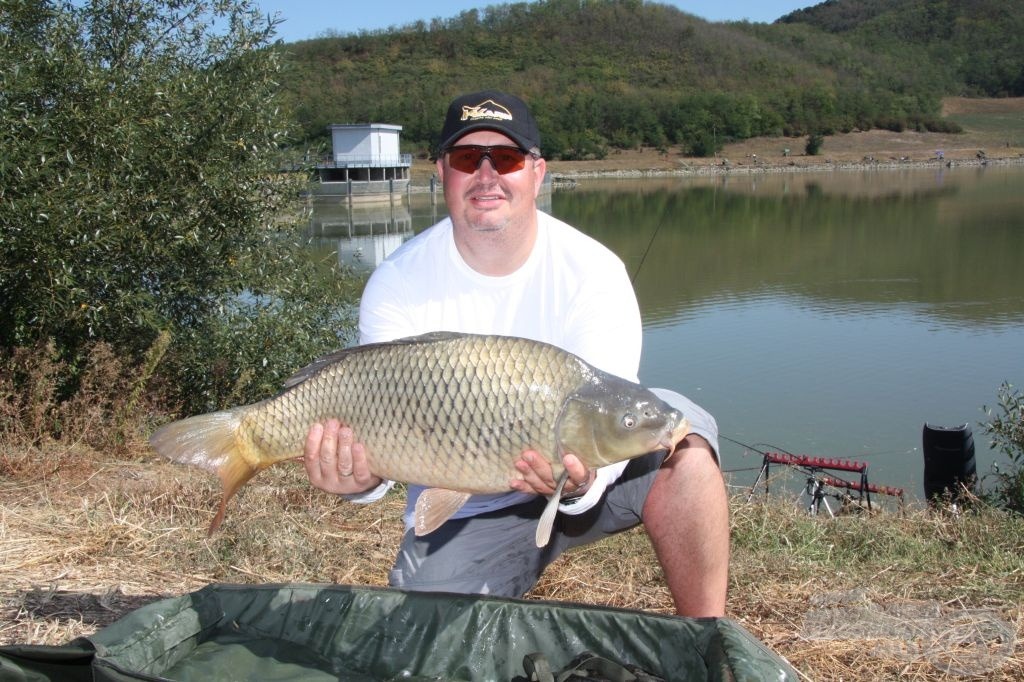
<point>539,168</point>
<point>440,167</point>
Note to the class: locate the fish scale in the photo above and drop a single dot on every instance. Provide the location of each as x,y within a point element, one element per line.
<point>451,412</point>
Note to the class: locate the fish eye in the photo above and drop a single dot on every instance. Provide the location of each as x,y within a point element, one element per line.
<point>628,421</point>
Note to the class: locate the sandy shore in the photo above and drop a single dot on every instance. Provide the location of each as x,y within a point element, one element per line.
<point>869,150</point>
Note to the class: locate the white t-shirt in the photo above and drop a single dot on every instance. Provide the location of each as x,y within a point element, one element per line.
<point>572,292</point>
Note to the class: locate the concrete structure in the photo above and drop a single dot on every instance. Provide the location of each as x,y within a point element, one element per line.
<point>365,162</point>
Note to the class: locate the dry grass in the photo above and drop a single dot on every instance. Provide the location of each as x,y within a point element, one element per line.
<point>81,548</point>
<point>99,537</point>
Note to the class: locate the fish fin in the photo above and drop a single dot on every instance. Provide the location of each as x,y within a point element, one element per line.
<point>209,441</point>
<point>434,506</point>
<point>547,518</point>
<point>336,356</point>
<point>233,474</point>
<point>315,366</point>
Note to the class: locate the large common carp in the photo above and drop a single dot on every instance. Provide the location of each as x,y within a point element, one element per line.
<point>449,411</point>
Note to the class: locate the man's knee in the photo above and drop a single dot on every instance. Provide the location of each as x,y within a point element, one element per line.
<point>693,467</point>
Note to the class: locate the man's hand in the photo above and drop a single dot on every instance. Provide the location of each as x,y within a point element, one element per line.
<point>334,462</point>
<point>539,479</point>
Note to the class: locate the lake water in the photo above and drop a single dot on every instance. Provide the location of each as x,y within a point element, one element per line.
<point>822,314</point>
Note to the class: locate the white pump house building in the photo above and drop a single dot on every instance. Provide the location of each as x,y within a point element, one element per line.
<point>365,162</point>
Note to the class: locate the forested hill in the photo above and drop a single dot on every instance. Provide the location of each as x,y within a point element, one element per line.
<point>601,74</point>
<point>979,43</point>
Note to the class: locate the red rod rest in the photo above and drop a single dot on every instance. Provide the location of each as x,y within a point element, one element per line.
<point>871,487</point>
<point>816,462</point>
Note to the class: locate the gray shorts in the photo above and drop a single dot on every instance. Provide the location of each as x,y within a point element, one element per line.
<point>496,554</point>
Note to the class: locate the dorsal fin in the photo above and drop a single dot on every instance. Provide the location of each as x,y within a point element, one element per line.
<point>336,356</point>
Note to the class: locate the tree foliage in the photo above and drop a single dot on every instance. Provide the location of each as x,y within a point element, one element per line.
<point>1005,427</point>
<point>813,146</point>
<point>973,47</point>
<point>138,192</point>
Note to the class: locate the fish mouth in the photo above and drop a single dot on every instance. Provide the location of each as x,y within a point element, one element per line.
<point>671,438</point>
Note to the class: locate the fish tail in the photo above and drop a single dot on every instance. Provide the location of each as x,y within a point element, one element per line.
<point>212,442</point>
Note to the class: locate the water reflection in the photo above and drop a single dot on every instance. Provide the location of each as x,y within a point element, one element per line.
<point>950,249</point>
<point>362,235</point>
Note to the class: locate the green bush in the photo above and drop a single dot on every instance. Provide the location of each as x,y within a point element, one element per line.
<point>704,145</point>
<point>138,194</point>
<point>814,143</point>
<point>1006,429</point>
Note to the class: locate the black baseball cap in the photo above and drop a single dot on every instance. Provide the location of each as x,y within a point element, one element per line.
<point>490,110</point>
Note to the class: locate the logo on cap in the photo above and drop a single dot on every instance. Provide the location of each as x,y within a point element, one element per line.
<point>487,109</point>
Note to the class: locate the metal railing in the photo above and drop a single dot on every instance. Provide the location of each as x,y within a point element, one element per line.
<point>362,161</point>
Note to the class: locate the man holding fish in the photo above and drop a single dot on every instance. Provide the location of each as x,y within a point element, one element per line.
<point>497,265</point>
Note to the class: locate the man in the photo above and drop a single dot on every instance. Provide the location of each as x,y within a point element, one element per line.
<point>497,265</point>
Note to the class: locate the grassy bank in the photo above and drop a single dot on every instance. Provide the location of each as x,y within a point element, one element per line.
<point>86,537</point>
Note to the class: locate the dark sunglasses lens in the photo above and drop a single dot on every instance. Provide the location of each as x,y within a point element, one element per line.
<point>504,159</point>
<point>507,159</point>
<point>465,159</point>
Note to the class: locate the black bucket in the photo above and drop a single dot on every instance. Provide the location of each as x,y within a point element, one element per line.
<point>949,465</point>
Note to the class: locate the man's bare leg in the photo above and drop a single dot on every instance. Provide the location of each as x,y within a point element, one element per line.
<point>687,518</point>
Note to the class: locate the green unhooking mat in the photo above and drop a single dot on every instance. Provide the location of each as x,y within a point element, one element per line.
<point>336,632</point>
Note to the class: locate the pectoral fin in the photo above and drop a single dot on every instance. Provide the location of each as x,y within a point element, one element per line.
<point>434,506</point>
<point>547,518</point>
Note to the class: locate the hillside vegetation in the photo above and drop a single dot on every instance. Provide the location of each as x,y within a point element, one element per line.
<point>975,46</point>
<point>607,74</point>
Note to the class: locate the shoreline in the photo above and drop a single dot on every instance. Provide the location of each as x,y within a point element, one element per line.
<point>713,169</point>
<point>562,176</point>
<point>990,134</point>
<point>857,151</point>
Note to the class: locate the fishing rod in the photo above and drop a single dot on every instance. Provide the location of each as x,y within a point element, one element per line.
<point>811,464</point>
<point>650,243</point>
<point>814,467</point>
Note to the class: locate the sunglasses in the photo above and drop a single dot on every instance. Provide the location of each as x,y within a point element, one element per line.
<point>505,159</point>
